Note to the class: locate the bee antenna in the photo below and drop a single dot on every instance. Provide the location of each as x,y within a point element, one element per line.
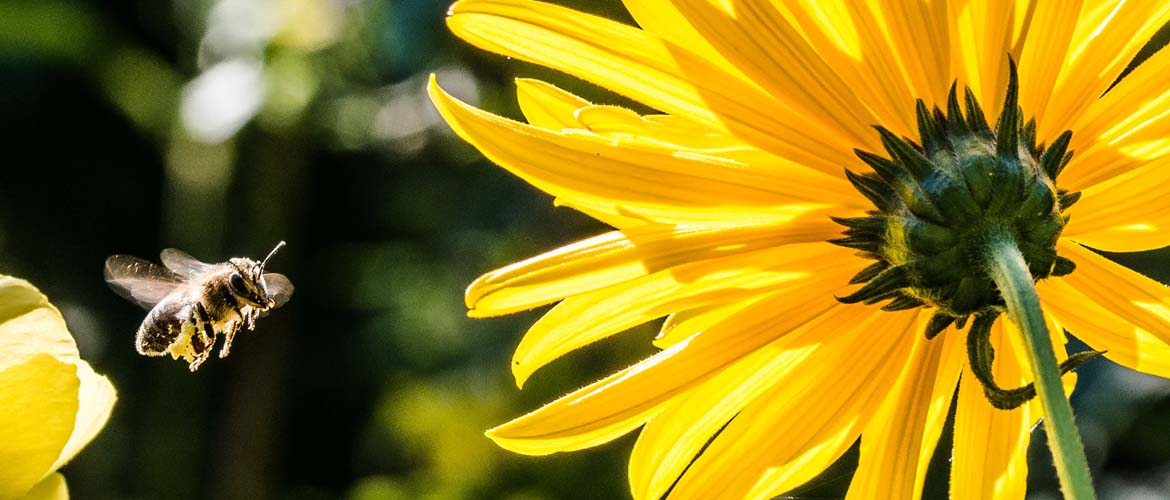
<point>273,252</point>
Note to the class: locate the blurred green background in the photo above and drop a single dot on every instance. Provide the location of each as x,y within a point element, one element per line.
<point>222,126</point>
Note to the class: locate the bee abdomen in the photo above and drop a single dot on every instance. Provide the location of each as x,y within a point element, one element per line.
<point>161,328</point>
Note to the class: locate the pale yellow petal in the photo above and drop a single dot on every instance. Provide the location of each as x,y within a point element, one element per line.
<point>620,256</point>
<point>1124,343</point>
<point>39,401</point>
<point>1128,213</point>
<point>30,326</point>
<point>791,432</point>
<point>587,166</point>
<point>96,397</point>
<point>991,445</point>
<point>896,446</point>
<point>50,488</point>
<point>646,68</point>
<point>546,106</point>
<point>671,440</point>
<point>586,318</point>
<point>1139,300</point>
<point>620,402</point>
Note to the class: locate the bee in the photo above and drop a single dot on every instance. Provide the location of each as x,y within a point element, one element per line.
<point>193,303</point>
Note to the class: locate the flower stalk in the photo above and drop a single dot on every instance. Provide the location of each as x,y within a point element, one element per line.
<point>1009,271</point>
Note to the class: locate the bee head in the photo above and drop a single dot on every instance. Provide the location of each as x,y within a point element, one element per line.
<point>247,279</point>
<point>247,282</point>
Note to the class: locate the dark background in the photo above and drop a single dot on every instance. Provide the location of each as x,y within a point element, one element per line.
<point>223,126</point>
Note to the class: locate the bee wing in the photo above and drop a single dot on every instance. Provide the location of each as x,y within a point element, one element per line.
<point>280,289</point>
<point>183,264</point>
<point>141,282</point>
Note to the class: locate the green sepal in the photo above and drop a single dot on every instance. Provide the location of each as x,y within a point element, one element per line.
<point>905,155</point>
<point>1028,136</point>
<point>869,272</point>
<point>1063,266</point>
<point>975,117</point>
<point>903,185</point>
<point>1056,156</point>
<point>939,322</point>
<point>1007,130</point>
<point>885,283</point>
<point>932,136</point>
<point>902,303</point>
<point>1069,199</point>
<point>873,188</point>
<point>981,355</point>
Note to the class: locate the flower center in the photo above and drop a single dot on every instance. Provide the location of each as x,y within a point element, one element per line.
<point>939,200</point>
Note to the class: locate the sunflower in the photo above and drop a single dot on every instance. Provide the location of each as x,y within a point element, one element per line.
<point>832,205</point>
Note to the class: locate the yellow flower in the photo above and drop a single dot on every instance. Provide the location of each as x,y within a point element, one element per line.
<point>53,403</point>
<point>722,201</point>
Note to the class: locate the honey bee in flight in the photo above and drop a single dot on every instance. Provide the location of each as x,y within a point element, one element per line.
<point>192,303</point>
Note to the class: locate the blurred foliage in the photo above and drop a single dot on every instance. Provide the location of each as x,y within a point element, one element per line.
<point>222,126</point>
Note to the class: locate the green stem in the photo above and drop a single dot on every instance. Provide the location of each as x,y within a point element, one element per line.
<point>1010,272</point>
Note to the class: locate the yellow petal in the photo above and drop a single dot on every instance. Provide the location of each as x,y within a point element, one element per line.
<point>896,446</point>
<point>918,31</point>
<point>620,402</point>
<point>681,325</point>
<point>620,256</point>
<point>546,106</point>
<point>50,488</point>
<point>643,67</point>
<point>1107,37</point>
<point>1121,131</point>
<point>1045,48</point>
<point>39,401</point>
<point>1141,301</point>
<point>30,326</point>
<point>662,18</point>
<point>678,136</point>
<point>608,213</point>
<point>792,431</point>
<point>949,371</point>
<point>1126,344</point>
<point>582,165</point>
<point>762,41</point>
<point>991,445</point>
<point>96,398</point>
<point>849,37</point>
<point>984,34</point>
<point>1128,213</point>
<point>672,439</point>
<point>586,318</point>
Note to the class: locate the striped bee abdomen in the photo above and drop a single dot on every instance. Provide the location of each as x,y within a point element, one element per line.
<point>162,327</point>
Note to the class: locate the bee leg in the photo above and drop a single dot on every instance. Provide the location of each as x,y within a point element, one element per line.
<point>250,315</point>
<point>203,338</point>
<point>229,334</point>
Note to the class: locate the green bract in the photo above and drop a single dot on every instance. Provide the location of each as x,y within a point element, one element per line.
<point>938,204</point>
